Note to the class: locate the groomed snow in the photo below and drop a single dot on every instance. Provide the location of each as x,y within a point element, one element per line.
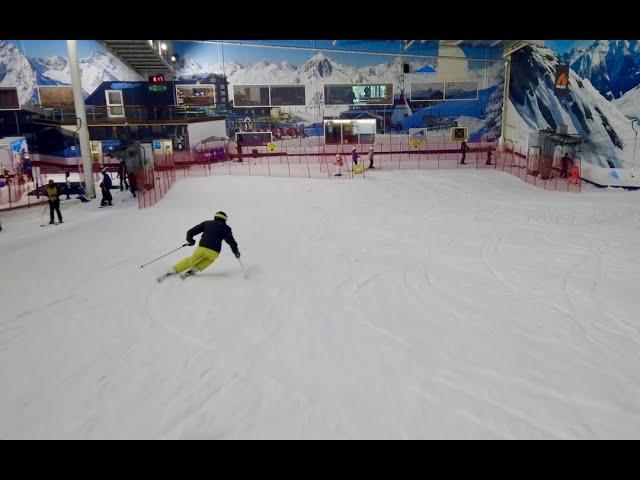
<point>412,304</point>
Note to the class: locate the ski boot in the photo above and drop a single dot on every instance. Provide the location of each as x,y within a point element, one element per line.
<point>188,273</point>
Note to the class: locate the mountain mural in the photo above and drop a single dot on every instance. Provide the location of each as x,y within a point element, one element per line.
<point>26,73</point>
<point>320,69</point>
<point>313,73</point>
<point>585,111</point>
<point>612,66</point>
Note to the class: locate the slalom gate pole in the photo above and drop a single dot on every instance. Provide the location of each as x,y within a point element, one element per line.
<point>162,256</point>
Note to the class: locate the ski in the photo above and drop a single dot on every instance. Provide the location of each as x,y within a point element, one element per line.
<point>162,278</point>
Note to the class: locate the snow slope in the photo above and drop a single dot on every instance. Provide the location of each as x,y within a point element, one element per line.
<point>429,304</point>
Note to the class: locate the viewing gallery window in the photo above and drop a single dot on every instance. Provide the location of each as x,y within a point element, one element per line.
<point>202,95</point>
<point>253,139</point>
<point>268,95</point>
<point>359,94</point>
<point>251,96</point>
<point>349,132</point>
<point>9,98</point>
<point>461,91</point>
<point>427,91</point>
<point>115,103</point>
<point>53,97</point>
<point>287,95</point>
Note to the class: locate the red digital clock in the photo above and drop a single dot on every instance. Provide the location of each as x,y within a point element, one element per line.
<point>155,79</point>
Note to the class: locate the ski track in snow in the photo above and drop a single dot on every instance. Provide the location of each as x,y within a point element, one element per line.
<point>429,304</point>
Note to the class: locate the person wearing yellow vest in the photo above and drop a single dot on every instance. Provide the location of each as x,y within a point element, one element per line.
<point>52,192</point>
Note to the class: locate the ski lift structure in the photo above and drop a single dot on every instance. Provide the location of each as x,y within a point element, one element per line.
<point>543,146</point>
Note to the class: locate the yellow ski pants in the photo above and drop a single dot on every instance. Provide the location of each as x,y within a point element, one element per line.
<point>201,259</point>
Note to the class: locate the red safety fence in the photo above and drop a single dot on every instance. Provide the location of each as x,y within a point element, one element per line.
<point>310,157</point>
<point>304,157</point>
<point>24,189</point>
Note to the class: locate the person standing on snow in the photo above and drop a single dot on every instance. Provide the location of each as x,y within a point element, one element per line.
<point>52,192</point>
<point>67,183</point>
<point>122,175</point>
<point>133,183</point>
<point>213,232</point>
<point>488,162</point>
<point>354,156</point>
<point>105,187</point>
<point>463,150</point>
<point>371,158</point>
<point>565,161</point>
<point>339,164</point>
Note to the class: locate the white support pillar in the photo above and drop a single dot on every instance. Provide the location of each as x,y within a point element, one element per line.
<point>505,97</point>
<point>83,132</point>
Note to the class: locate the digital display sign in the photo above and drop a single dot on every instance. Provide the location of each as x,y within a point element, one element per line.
<point>359,94</point>
<point>156,79</point>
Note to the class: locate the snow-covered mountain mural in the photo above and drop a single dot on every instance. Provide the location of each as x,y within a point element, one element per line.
<point>534,106</point>
<point>612,66</point>
<point>629,103</point>
<point>18,69</point>
<point>315,68</point>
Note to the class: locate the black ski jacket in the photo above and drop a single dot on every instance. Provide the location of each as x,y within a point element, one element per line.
<point>213,232</point>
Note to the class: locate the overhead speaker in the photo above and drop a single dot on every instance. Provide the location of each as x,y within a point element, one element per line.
<point>406,68</point>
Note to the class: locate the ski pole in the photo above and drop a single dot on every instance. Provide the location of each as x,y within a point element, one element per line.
<point>42,216</point>
<point>244,272</point>
<point>162,256</point>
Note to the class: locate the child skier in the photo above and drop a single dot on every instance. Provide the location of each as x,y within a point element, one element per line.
<point>463,150</point>
<point>371,157</point>
<point>488,162</point>
<point>339,164</point>
<point>213,232</point>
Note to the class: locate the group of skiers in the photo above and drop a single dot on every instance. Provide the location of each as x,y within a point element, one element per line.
<point>340,163</point>
<point>463,152</point>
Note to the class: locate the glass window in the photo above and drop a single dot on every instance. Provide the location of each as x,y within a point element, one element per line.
<point>427,91</point>
<point>9,99</point>
<point>251,96</point>
<point>359,94</point>
<point>287,95</point>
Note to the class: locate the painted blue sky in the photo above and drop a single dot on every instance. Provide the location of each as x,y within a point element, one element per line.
<point>562,46</point>
<point>49,48</point>
<point>208,53</point>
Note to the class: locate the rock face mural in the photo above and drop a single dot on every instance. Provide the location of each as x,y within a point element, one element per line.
<point>26,64</point>
<point>601,102</point>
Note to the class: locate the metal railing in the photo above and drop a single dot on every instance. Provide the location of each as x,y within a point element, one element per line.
<point>114,114</point>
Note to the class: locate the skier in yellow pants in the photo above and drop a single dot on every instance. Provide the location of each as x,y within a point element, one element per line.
<point>213,232</point>
<point>201,259</point>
